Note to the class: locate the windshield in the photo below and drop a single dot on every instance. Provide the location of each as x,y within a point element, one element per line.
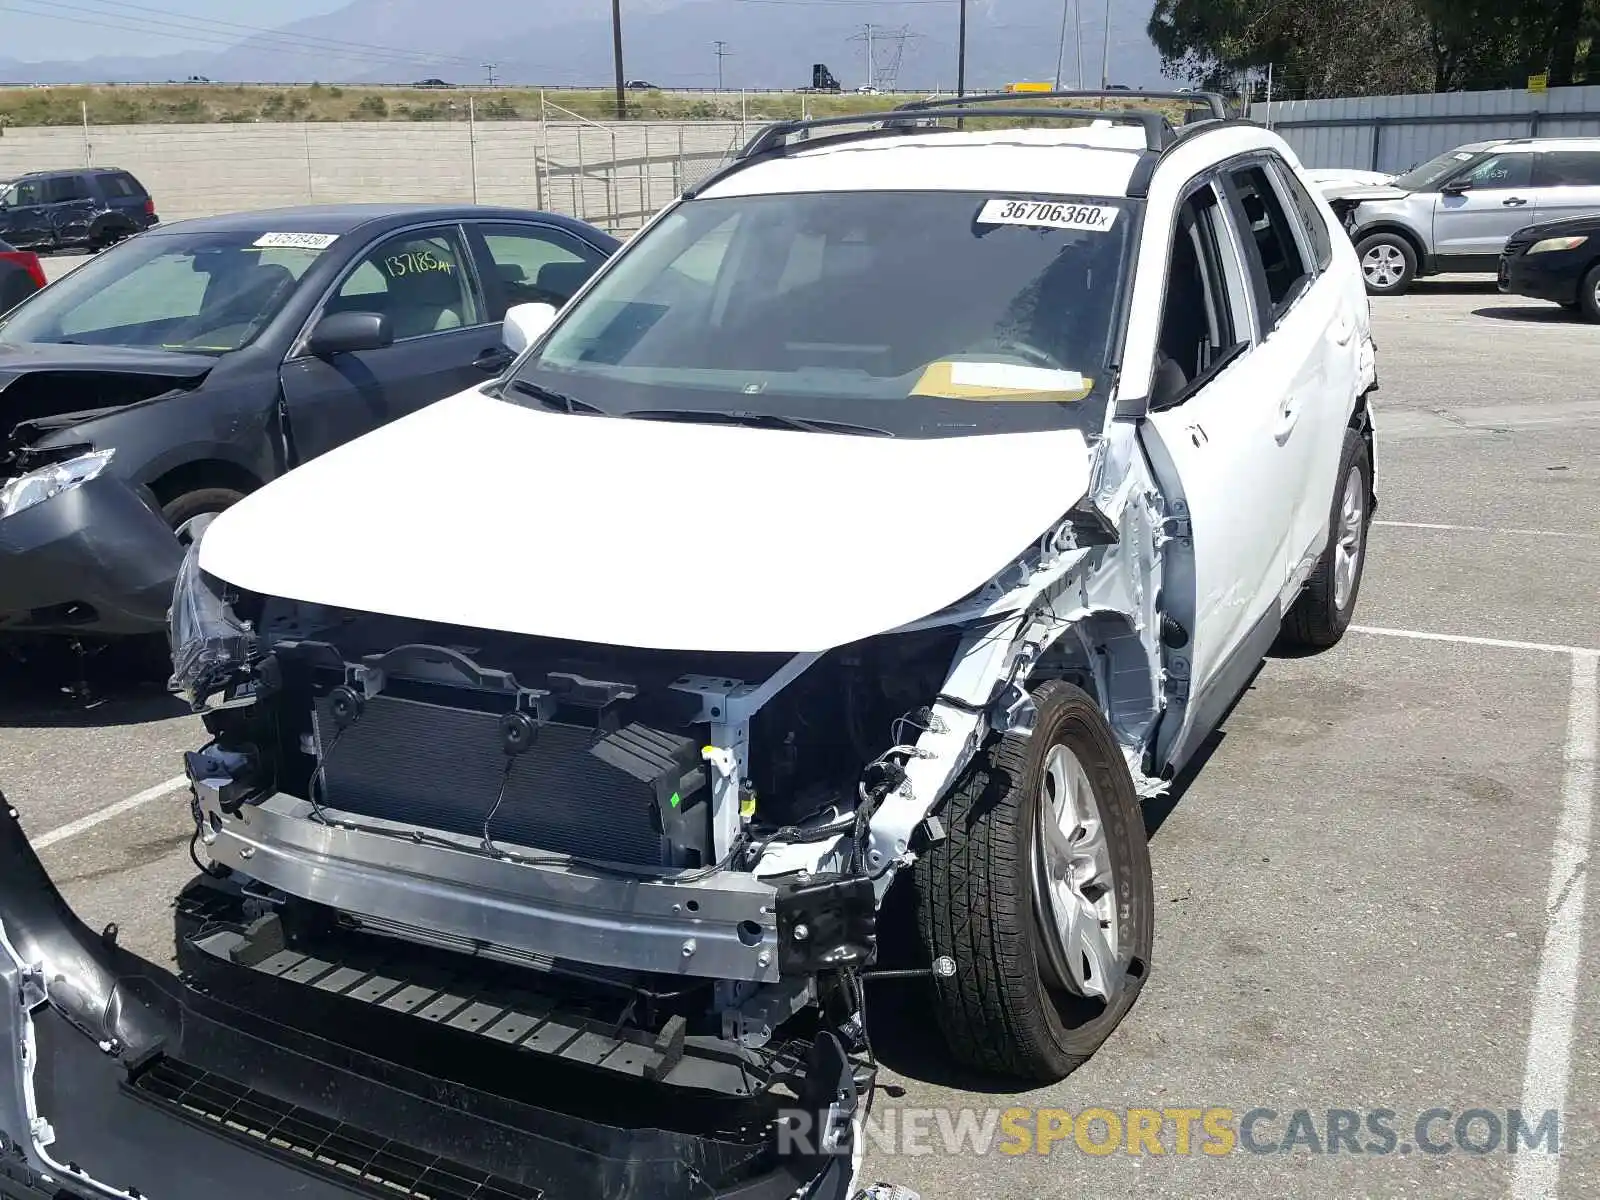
<point>1435,171</point>
<point>921,314</point>
<point>205,293</point>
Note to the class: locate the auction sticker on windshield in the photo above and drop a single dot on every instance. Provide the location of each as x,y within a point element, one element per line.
<point>1052,214</point>
<point>301,241</point>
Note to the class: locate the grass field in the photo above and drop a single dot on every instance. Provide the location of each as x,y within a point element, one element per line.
<point>203,104</point>
<point>219,103</point>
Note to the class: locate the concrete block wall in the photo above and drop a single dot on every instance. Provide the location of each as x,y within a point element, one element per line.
<point>612,175</point>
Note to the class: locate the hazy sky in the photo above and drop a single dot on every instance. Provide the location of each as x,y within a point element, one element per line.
<point>87,28</point>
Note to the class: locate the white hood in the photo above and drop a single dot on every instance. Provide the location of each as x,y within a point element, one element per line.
<point>482,513</point>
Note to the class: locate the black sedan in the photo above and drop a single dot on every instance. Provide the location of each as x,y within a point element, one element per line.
<point>1558,261</point>
<point>21,275</point>
<point>164,379</point>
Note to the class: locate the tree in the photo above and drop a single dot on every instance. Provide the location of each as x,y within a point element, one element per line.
<point>1373,47</point>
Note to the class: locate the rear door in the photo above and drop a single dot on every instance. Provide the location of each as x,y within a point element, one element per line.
<point>1568,183</point>
<point>1499,200</point>
<point>72,207</point>
<point>425,282</point>
<point>1215,441</point>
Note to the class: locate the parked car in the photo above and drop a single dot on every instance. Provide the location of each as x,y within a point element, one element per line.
<point>568,733</point>
<point>640,85</point>
<point>21,275</point>
<point>431,82</point>
<point>1556,260</point>
<point>1455,212</point>
<point>89,208</point>
<point>201,359</point>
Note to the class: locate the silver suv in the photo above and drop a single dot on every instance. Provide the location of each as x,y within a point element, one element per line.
<point>1455,212</point>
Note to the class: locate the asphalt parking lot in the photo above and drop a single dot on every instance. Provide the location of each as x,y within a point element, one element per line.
<point>1372,894</point>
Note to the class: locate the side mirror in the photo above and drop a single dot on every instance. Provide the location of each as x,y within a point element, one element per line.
<point>1456,186</point>
<point>524,324</point>
<point>350,332</point>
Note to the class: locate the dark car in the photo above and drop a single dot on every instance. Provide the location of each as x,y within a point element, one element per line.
<point>196,362</point>
<point>89,208</point>
<point>21,275</point>
<point>431,83</point>
<point>1559,261</point>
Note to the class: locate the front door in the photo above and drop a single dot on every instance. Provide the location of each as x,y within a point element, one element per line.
<point>25,217</point>
<point>1498,201</point>
<point>424,282</point>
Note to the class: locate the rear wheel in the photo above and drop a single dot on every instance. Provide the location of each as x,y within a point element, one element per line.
<point>1322,613</point>
<point>1388,263</point>
<point>1041,892</point>
<point>190,513</point>
<point>1589,294</point>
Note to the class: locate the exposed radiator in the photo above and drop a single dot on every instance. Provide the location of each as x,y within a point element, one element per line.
<point>439,767</point>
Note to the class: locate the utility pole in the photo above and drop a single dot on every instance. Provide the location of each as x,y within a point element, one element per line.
<point>1105,53</point>
<point>961,53</point>
<point>616,48</point>
<point>1061,46</point>
<point>1077,34</point>
<point>868,31</point>
<point>722,52</point>
<point>1269,98</point>
<point>489,68</point>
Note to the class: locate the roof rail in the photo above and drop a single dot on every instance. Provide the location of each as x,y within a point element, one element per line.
<point>1139,181</point>
<point>1211,101</point>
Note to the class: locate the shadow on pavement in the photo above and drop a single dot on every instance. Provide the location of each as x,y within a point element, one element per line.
<point>48,686</point>
<point>1553,314</point>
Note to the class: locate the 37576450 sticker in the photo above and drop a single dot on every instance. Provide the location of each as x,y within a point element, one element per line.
<point>1049,214</point>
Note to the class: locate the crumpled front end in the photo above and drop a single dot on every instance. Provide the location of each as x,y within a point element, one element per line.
<point>261,1071</point>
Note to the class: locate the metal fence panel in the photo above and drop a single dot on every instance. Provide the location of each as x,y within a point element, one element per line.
<point>1392,133</point>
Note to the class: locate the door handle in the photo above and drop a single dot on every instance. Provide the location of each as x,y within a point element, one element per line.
<point>495,360</point>
<point>1288,417</point>
<point>1513,202</point>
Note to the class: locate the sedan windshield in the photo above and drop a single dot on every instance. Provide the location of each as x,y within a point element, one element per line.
<point>1434,172</point>
<point>921,314</point>
<point>204,293</point>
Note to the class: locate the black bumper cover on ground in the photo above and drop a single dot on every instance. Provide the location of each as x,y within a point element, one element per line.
<point>93,560</point>
<point>165,1088</point>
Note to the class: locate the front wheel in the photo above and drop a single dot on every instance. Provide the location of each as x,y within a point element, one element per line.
<point>1041,892</point>
<point>190,513</point>
<point>1388,264</point>
<point>1589,294</point>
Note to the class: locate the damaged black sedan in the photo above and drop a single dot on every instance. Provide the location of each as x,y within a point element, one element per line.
<point>181,370</point>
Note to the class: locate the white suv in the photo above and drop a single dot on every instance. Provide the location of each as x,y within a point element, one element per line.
<point>898,509</point>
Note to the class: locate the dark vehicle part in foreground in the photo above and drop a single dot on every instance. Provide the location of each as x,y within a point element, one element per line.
<point>89,208</point>
<point>292,1055</point>
<point>21,275</point>
<point>1557,261</point>
<point>202,359</point>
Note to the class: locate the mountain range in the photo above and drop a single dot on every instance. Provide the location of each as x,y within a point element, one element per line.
<point>769,44</point>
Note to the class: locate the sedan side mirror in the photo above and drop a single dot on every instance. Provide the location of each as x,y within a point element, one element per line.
<point>1456,186</point>
<point>524,324</point>
<point>349,333</point>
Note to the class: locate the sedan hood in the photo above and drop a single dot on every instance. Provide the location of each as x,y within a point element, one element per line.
<point>477,512</point>
<point>42,382</point>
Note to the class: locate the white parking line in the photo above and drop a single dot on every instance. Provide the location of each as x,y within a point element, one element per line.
<point>1463,639</point>
<point>110,812</point>
<point>1544,1081</point>
<point>1555,533</point>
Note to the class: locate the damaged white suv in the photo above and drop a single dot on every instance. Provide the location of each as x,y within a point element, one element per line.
<point>897,510</point>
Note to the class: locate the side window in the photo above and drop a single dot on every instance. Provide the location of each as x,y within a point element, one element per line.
<point>1501,171</point>
<point>27,191</point>
<point>1566,168</point>
<point>1270,238</point>
<point>1312,217</point>
<point>63,188</point>
<point>536,263</point>
<point>1205,318</point>
<point>419,280</point>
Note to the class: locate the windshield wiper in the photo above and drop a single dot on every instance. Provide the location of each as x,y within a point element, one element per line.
<point>758,420</point>
<point>559,401</point>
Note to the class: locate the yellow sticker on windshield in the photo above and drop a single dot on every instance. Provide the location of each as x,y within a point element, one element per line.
<point>1001,381</point>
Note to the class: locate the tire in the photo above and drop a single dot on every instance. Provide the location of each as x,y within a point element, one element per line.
<point>1392,267</point>
<point>1323,610</point>
<point>1004,1010</point>
<point>1589,294</point>
<point>202,502</point>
